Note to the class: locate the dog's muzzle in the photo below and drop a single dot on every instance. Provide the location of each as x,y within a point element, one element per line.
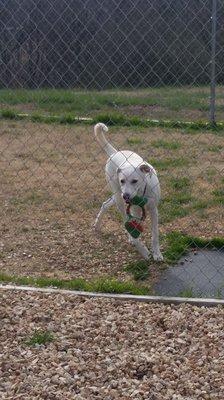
<point>126,198</point>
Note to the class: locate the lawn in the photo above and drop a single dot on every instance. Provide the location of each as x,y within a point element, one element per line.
<point>175,103</point>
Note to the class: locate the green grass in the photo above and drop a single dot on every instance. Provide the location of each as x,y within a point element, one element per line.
<point>177,245</point>
<point>219,292</point>
<point>166,163</point>
<point>187,293</point>
<point>113,107</point>
<point>102,285</point>
<point>139,269</point>
<point>219,192</point>
<point>114,119</point>
<point>215,149</point>
<point>32,197</point>
<point>164,144</point>
<point>177,203</point>
<point>77,100</point>
<point>40,338</point>
<point>202,205</point>
<point>10,114</point>
<point>82,101</point>
<point>182,198</point>
<point>132,141</point>
<point>169,210</point>
<point>179,183</point>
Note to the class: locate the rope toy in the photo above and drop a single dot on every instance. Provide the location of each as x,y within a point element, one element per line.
<point>134,225</point>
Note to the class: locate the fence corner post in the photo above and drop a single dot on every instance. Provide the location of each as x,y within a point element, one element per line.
<point>212,117</point>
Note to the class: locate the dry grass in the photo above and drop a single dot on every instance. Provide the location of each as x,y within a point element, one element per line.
<point>53,184</point>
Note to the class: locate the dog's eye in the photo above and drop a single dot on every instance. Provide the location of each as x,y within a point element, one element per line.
<point>134,181</point>
<point>122,181</point>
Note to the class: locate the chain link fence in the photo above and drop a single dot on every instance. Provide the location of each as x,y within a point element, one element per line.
<point>152,71</point>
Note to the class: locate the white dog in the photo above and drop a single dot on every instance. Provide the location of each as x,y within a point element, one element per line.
<point>129,175</point>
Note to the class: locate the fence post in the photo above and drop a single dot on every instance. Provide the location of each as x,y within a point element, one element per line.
<point>213,61</point>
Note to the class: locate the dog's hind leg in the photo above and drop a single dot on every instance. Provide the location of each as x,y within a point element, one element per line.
<point>157,255</point>
<point>105,206</point>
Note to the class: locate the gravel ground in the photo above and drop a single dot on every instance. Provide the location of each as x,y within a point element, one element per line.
<point>107,349</point>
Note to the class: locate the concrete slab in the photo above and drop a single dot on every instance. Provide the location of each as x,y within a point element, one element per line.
<point>199,274</point>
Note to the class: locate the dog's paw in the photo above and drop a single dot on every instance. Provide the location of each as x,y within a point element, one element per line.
<point>157,256</point>
<point>131,240</point>
<point>96,227</point>
<point>145,254</point>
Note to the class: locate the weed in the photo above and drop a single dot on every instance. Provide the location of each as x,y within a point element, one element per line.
<point>113,119</point>
<point>187,293</point>
<point>166,145</point>
<point>177,245</point>
<point>31,197</point>
<point>179,183</point>
<point>134,141</point>
<point>40,337</point>
<point>169,210</point>
<point>103,285</point>
<point>219,192</point>
<point>215,149</point>
<point>169,163</point>
<point>139,269</point>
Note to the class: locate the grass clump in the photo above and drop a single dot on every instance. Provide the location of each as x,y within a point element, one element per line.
<point>169,210</point>
<point>31,197</point>
<point>132,141</point>
<point>111,118</point>
<point>9,114</point>
<point>166,145</point>
<point>177,245</point>
<point>40,338</point>
<point>219,195</point>
<point>180,183</point>
<point>215,149</point>
<point>166,163</point>
<point>139,269</point>
<point>187,293</point>
<point>101,285</point>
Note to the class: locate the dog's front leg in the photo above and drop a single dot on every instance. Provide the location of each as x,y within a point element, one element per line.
<point>120,204</point>
<point>107,204</point>
<point>156,253</point>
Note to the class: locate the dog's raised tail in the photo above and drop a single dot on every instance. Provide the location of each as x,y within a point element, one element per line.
<point>99,130</point>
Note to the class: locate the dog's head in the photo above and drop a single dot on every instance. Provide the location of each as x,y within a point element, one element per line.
<point>132,180</point>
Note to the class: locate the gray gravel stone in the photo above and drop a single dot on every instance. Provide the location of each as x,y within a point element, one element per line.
<point>106,349</point>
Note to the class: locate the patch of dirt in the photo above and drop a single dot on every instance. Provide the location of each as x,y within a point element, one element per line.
<point>53,184</point>
<point>23,108</point>
<point>164,113</point>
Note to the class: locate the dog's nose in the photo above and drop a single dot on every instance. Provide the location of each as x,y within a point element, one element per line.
<point>126,197</point>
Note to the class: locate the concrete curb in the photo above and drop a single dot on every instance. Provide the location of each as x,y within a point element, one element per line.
<point>124,297</point>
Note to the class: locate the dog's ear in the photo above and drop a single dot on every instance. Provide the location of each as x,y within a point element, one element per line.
<point>118,171</point>
<point>146,169</point>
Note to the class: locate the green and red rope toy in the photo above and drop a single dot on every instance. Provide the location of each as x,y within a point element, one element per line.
<point>133,224</point>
